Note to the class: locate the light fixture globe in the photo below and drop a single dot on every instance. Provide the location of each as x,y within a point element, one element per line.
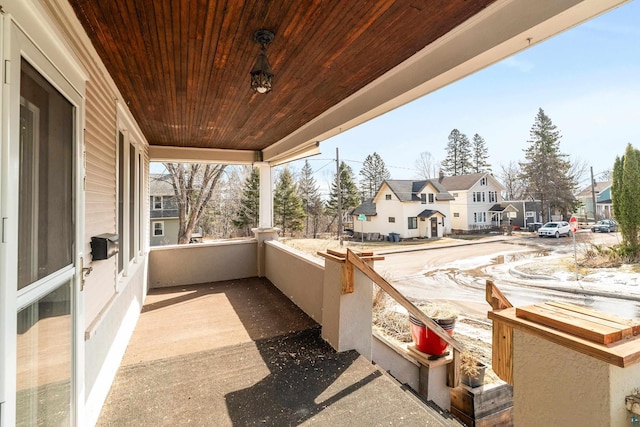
<point>261,73</point>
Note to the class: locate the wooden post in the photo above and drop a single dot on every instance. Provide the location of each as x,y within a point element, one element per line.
<point>502,340</point>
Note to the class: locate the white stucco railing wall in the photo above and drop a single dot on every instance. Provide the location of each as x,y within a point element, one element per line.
<point>180,265</point>
<point>297,275</point>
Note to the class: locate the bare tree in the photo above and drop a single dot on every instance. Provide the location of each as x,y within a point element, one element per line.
<point>510,175</point>
<point>427,166</point>
<point>193,185</point>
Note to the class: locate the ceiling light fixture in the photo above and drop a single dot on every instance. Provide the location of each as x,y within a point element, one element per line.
<point>261,73</point>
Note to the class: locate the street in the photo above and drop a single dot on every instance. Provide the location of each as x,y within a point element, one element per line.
<point>458,274</point>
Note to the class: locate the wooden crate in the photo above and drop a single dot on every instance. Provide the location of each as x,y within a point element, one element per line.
<point>488,405</point>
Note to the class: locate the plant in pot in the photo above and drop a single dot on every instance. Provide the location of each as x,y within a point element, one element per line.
<point>427,341</point>
<point>471,370</point>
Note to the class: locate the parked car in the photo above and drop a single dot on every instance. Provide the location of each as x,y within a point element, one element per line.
<point>605,226</point>
<point>555,229</point>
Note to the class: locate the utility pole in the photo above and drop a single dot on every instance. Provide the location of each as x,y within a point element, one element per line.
<point>339,197</point>
<point>593,196</point>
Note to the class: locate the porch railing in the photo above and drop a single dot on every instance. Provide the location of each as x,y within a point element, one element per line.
<point>359,261</point>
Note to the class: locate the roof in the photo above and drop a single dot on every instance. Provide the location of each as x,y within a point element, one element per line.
<point>464,182</point>
<point>182,67</point>
<point>428,213</point>
<point>409,190</point>
<point>159,185</point>
<point>600,186</point>
<point>367,207</point>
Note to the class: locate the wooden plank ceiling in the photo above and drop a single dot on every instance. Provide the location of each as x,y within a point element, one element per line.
<point>183,66</point>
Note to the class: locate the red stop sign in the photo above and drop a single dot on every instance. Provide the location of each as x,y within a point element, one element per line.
<point>574,223</point>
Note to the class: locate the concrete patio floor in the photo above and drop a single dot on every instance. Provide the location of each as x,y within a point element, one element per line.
<point>239,353</point>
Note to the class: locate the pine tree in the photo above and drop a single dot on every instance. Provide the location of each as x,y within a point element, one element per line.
<point>479,155</point>
<point>247,216</point>
<point>287,205</point>
<point>546,170</point>
<point>311,201</point>
<point>626,203</point>
<point>458,160</point>
<point>348,189</point>
<point>373,174</point>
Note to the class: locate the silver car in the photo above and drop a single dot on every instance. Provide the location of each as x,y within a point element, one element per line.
<point>555,229</point>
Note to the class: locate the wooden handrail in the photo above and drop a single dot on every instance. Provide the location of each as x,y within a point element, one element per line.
<point>361,265</point>
<point>495,297</point>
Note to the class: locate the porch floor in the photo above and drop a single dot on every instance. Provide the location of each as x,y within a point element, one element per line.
<point>240,353</point>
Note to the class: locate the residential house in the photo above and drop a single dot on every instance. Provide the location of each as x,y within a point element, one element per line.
<point>525,212</point>
<point>95,90</point>
<point>165,222</point>
<point>476,201</point>
<point>601,191</point>
<point>406,208</point>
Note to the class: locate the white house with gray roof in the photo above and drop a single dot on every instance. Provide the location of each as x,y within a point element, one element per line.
<point>408,208</point>
<point>434,207</point>
<point>475,203</point>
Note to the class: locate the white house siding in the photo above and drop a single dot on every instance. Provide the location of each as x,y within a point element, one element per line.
<point>111,304</point>
<point>464,206</point>
<point>385,209</point>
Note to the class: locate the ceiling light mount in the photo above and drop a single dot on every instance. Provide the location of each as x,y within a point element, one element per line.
<point>261,73</point>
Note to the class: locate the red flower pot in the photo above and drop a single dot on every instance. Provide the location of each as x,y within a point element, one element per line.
<point>427,341</point>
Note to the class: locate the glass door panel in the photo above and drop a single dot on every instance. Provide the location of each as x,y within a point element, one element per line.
<point>45,225</point>
<point>43,381</point>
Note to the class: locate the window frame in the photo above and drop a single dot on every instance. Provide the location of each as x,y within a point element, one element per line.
<point>392,219</point>
<point>155,202</point>
<point>387,196</point>
<point>153,225</point>
<point>412,223</point>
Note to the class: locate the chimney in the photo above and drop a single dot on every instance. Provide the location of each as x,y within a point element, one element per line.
<point>440,175</point>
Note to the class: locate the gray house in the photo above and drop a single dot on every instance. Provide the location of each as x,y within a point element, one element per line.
<point>164,223</point>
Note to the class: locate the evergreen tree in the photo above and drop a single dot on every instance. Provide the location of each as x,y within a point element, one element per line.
<point>373,173</point>
<point>247,215</point>
<point>311,201</point>
<point>479,155</point>
<point>287,205</point>
<point>348,189</point>
<point>546,170</point>
<point>624,193</point>
<point>458,160</point>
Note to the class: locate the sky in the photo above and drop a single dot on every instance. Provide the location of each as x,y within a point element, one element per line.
<point>587,80</point>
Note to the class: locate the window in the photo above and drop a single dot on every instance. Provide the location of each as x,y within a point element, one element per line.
<point>455,194</point>
<point>392,219</point>
<point>128,205</point>
<point>483,180</point>
<point>423,198</point>
<point>530,214</point>
<point>478,196</point>
<point>456,214</point>
<point>413,222</point>
<point>132,202</point>
<point>387,196</point>
<point>158,228</point>
<point>157,203</point>
<point>479,217</point>
<point>431,198</point>
<point>121,199</point>
<point>493,196</point>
